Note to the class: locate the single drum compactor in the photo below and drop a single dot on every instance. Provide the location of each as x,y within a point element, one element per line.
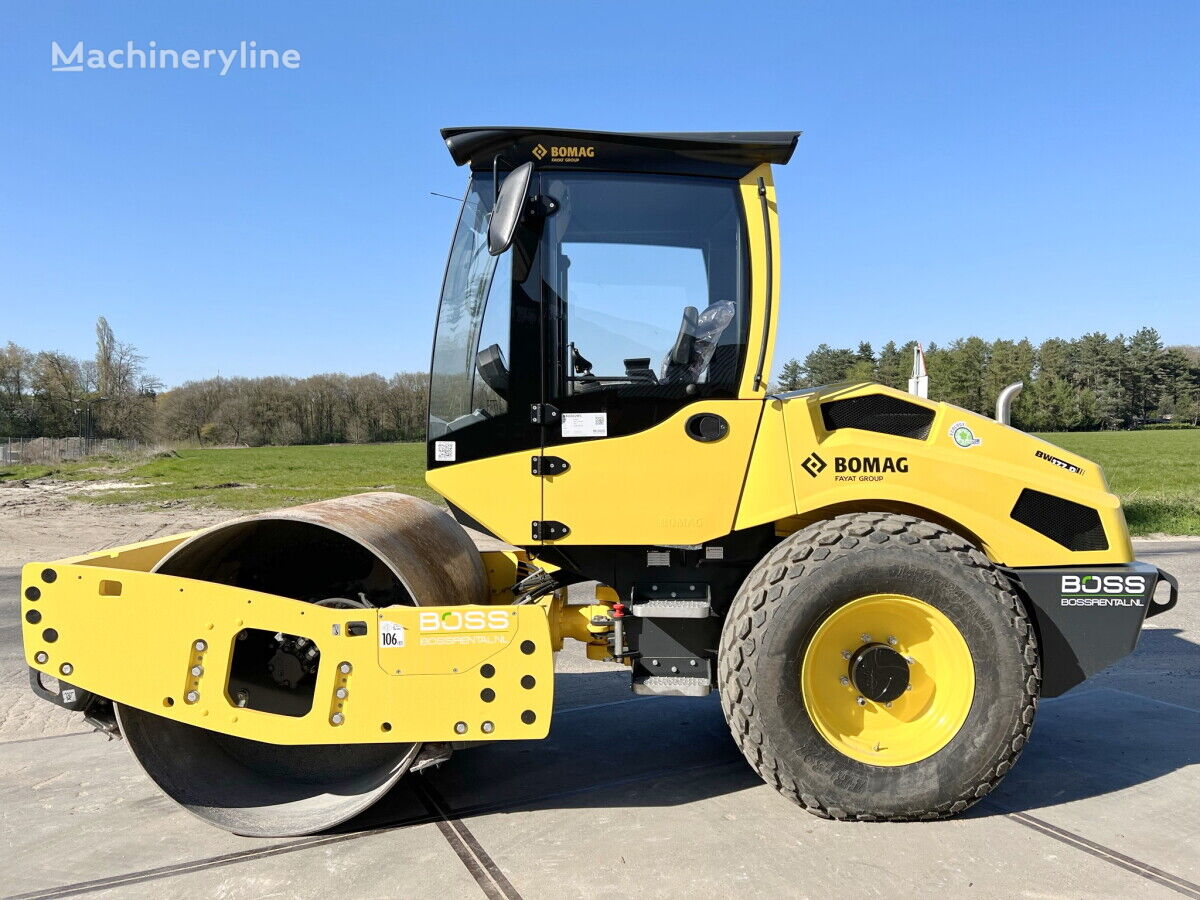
<point>879,586</point>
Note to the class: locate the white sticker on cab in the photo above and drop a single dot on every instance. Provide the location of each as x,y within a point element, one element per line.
<point>585,425</point>
<point>443,451</point>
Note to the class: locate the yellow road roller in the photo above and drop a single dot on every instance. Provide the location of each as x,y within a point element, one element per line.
<point>880,587</point>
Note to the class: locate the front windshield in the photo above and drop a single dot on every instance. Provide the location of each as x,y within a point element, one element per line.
<point>472,317</point>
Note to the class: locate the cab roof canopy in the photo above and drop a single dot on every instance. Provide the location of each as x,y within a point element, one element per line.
<point>725,153</point>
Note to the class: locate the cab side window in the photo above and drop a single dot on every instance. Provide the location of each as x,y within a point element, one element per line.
<point>649,275</point>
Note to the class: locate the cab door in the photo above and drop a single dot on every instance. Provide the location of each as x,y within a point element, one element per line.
<point>487,376</point>
<point>646,289</point>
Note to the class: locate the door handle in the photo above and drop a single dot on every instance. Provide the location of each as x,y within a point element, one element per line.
<point>706,427</point>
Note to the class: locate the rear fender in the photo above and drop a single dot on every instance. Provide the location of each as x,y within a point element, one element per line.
<point>1088,617</point>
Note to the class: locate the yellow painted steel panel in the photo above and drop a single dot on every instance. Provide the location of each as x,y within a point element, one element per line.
<point>974,486</point>
<point>768,495</point>
<point>500,493</point>
<point>140,557</point>
<point>416,673</point>
<point>658,486</point>
<point>752,209</point>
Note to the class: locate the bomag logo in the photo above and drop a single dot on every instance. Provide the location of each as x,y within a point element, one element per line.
<point>857,468</point>
<point>563,154</point>
<point>472,620</point>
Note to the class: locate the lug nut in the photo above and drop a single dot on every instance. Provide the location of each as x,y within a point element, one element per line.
<point>861,702</point>
<point>892,641</point>
<point>197,671</point>
<point>866,638</point>
<point>674,670</point>
<point>200,646</point>
<point>41,657</point>
<point>692,663</point>
<point>843,681</point>
<point>654,662</point>
<point>345,668</point>
<point>66,668</point>
<point>845,654</point>
<point>460,727</point>
<point>341,693</point>
<point>908,687</point>
<point>888,704</point>
<point>910,660</point>
<point>337,719</point>
<point>192,696</point>
<point>487,727</point>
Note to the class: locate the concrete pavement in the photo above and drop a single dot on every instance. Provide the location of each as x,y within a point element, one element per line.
<point>647,797</point>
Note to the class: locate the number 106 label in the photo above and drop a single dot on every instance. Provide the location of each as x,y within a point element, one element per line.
<point>391,634</point>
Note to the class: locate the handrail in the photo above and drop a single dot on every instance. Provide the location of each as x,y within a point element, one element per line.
<point>762,350</point>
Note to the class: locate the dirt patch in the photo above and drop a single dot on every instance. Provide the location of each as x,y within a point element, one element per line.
<point>39,521</point>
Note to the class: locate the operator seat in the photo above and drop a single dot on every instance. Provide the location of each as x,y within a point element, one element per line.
<point>696,342</point>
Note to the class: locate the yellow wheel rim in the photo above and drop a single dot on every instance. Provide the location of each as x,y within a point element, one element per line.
<point>924,717</point>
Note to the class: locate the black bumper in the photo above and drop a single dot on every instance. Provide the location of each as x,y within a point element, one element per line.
<point>1088,617</point>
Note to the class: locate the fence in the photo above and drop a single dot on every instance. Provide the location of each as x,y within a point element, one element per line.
<point>51,450</point>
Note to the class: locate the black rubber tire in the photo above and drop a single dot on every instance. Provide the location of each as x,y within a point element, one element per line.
<point>796,586</point>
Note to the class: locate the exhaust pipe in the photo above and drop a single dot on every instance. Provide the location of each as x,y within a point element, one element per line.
<point>1005,401</point>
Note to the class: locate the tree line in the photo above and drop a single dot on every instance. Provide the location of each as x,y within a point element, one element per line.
<point>1094,382</point>
<point>111,395</point>
<point>52,394</point>
<point>1091,382</point>
<point>321,409</point>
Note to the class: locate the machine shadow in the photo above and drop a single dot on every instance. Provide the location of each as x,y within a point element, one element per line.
<point>607,749</point>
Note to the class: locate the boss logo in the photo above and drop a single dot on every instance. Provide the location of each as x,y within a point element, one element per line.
<point>1103,584</point>
<point>472,620</point>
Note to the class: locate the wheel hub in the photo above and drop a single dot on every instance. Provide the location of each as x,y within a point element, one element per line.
<point>879,673</point>
<point>887,703</point>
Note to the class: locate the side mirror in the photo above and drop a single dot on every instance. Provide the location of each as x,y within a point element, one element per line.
<point>507,212</point>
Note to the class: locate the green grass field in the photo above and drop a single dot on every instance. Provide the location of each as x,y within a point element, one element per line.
<point>1156,474</point>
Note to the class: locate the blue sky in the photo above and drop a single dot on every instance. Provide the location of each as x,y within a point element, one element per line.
<point>1003,169</point>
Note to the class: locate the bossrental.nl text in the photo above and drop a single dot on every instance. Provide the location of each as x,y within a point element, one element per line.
<point>247,55</point>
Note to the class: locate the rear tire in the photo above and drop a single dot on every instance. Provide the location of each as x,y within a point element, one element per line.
<point>787,606</point>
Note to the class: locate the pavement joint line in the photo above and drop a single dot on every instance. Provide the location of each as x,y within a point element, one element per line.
<point>1111,690</point>
<point>1107,854</point>
<point>485,808</point>
<point>251,855</point>
<point>446,817</point>
<point>44,737</point>
<point>575,709</point>
<point>489,876</point>
<point>185,868</point>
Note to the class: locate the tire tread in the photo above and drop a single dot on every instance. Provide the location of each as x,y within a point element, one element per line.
<point>769,582</point>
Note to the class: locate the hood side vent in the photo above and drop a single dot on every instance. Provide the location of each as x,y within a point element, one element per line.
<point>880,413</point>
<point>1075,526</point>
